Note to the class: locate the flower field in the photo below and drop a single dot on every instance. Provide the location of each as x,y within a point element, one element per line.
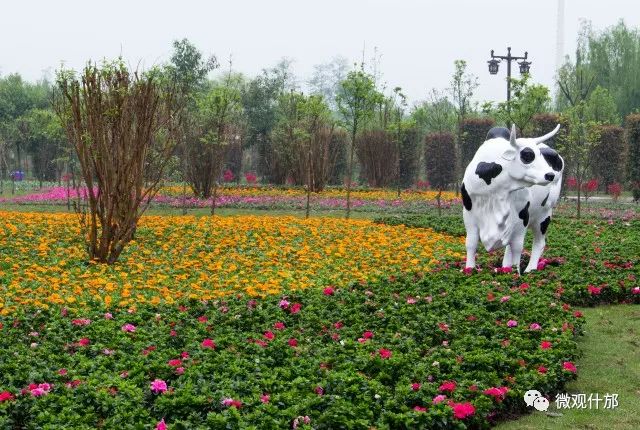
<point>271,323</point>
<point>259,197</point>
<point>42,258</point>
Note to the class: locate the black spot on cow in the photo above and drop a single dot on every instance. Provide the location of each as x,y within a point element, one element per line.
<point>466,198</point>
<point>524,214</point>
<point>496,132</point>
<point>545,224</point>
<point>553,159</point>
<point>544,202</point>
<point>488,171</point>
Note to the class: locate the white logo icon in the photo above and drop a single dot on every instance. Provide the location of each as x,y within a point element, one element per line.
<point>535,399</point>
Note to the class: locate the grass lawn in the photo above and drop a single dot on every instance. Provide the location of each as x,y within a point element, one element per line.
<point>610,364</point>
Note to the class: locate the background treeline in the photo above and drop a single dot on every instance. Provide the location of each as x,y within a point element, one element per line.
<point>349,126</point>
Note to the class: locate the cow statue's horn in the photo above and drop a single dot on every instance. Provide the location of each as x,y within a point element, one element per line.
<point>539,140</point>
<point>512,137</point>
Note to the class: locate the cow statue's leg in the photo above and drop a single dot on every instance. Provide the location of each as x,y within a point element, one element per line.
<point>506,261</point>
<point>472,245</point>
<point>539,242</point>
<point>515,246</point>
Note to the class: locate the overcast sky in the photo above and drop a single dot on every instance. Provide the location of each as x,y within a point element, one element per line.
<point>418,40</point>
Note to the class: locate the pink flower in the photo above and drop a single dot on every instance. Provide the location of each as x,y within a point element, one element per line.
<point>293,343</point>
<point>444,327</point>
<point>129,328</point>
<point>265,398</point>
<point>462,410</point>
<point>524,286</point>
<point>108,316</point>
<point>208,343</point>
<point>179,370</point>
<point>62,372</point>
<point>229,402</point>
<point>338,325</point>
<point>367,335</point>
<point>535,326</point>
<point>329,291</point>
<point>420,409</point>
<point>6,396</point>
<point>411,300</point>
<point>567,365</point>
<point>467,270</point>
<point>319,391</point>
<point>542,369</point>
<point>415,386</point>
<point>184,354</point>
<point>384,353</point>
<point>279,326</point>
<point>295,308</point>
<point>545,344</point>
<point>84,341</point>
<point>449,386</point>
<point>81,321</point>
<point>439,399</point>
<point>497,393</point>
<point>158,386</point>
<point>635,290</point>
<point>173,333</point>
<point>284,304</point>
<point>40,389</point>
<point>161,425</point>
<point>124,374</point>
<point>175,362</point>
<point>505,299</point>
<point>512,323</point>
<point>542,264</point>
<point>203,319</point>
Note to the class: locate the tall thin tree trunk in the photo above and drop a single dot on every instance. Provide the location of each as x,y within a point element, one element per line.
<point>214,195</point>
<point>308,181</point>
<point>350,167</point>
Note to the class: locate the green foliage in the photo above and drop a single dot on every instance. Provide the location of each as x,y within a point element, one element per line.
<point>188,68</point>
<point>440,159</point>
<point>435,115</point>
<point>527,100</point>
<point>601,107</point>
<point>633,136</point>
<point>608,155</point>
<point>42,134</point>
<point>474,132</point>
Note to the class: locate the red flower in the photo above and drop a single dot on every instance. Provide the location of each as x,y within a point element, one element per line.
<point>542,369</point>
<point>265,398</point>
<point>175,362</point>
<point>444,327</point>
<point>338,325</point>
<point>279,326</point>
<point>295,308</point>
<point>577,314</point>
<point>594,291</point>
<point>498,393</point>
<point>293,343</point>
<point>208,343</point>
<point>462,410</point>
<point>384,353</point>
<point>415,386</point>
<point>545,344</point>
<point>84,341</point>
<point>420,409</point>
<point>269,335</point>
<point>319,391</point>
<point>5,396</point>
<point>449,386</point>
<point>329,291</point>
<point>567,365</point>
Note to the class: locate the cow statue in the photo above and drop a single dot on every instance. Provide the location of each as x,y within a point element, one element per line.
<point>509,185</point>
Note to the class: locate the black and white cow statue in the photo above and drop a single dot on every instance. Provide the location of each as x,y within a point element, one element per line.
<point>509,185</point>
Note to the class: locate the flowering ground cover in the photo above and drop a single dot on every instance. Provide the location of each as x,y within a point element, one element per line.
<point>42,258</point>
<point>258,197</point>
<point>400,337</point>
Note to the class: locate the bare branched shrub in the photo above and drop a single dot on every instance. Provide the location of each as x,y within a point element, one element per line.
<point>123,127</point>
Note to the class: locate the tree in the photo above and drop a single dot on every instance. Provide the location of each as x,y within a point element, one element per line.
<point>608,155</point>
<point>576,83</point>
<point>123,127</point>
<point>435,115</point>
<point>189,70</point>
<point>632,123</point>
<point>440,161</point>
<point>526,101</point>
<point>326,79</point>
<point>43,138</point>
<point>601,107</point>
<point>356,100</point>
<point>463,85</point>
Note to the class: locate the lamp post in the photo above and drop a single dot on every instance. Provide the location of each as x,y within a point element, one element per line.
<point>494,65</point>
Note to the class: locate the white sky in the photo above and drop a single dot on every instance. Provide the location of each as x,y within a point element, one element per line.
<point>418,40</point>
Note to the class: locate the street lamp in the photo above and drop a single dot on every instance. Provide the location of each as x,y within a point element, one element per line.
<point>495,60</point>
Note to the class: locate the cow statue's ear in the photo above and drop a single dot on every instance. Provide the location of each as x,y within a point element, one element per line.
<point>509,154</point>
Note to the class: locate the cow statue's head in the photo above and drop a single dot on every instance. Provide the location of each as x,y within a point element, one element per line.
<point>529,163</point>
